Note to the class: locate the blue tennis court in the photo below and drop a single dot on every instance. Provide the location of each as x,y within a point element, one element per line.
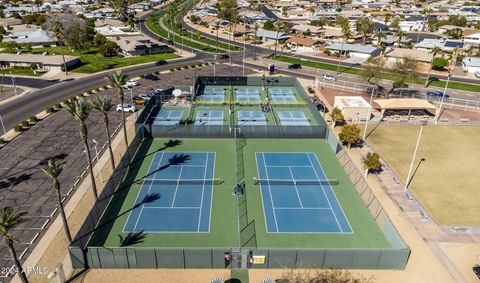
<point>251,118</point>
<point>282,94</point>
<point>209,118</point>
<point>297,196</point>
<point>293,118</point>
<point>176,195</point>
<point>212,94</point>
<point>168,117</point>
<point>247,94</point>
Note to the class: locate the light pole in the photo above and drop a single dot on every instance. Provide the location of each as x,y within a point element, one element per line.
<point>131,95</point>
<point>439,110</point>
<point>338,63</point>
<point>369,114</point>
<point>95,144</point>
<point>244,44</point>
<point>214,64</point>
<point>12,77</point>
<point>413,159</point>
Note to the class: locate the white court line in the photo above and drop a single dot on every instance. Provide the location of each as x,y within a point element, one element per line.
<point>203,190</point>
<point>149,188</point>
<point>296,208</point>
<point>176,187</point>
<point>295,186</point>
<point>329,204</point>
<point>270,191</point>
<point>169,208</point>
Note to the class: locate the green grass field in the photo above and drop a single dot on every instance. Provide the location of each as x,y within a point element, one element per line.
<point>357,71</point>
<point>223,229</point>
<point>93,62</point>
<point>446,183</point>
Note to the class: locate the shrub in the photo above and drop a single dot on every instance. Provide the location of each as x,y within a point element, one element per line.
<point>193,66</point>
<point>179,68</point>
<point>327,52</point>
<point>24,124</point>
<point>156,72</point>
<point>57,106</point>
<point>439,63</point>
<point>2,140</point>
<point>310,90</point>
<point>17,128</point>
<point>172,70</point>
<point>186,67</point>
<point>49,109</point>
<point>350,134</point>
<point>142,76</point>
<point>32,119</point>
<point>72,99</point>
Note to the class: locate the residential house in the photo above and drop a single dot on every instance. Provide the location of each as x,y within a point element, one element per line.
<point>472,37</point>
<point>138,45</point>
<point>30,34</point>
<point>299,14</point>
<point>471,64</point>
<point>272,36</point>
<point>355,50</point>
<point>402,53</point>
<point>302,44</point>
<point>48,62</point>
<point>100,13</point>
<point>412,26</point>
<point>447,45</point>
<point>313,30</point>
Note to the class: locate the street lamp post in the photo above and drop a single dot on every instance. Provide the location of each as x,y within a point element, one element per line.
<point>3,125</point>
<point>95,144</point>
<point>369,114</point>
<point>413,159</point>
<point>214,64</point>
<point>338,63</point>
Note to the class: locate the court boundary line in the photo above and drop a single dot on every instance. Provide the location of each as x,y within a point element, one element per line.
<point>270,192</point>
<point>318,233</point>
<point>295,186</point>
<point>333,192</point>
<point>323,191</point>
<point>176,186</point>
<point>211,194</point>
<point>138,194</point>
<point>203,191</point>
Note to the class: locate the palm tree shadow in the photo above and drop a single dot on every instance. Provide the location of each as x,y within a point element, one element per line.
<point>132,238</point>
<point>168,144</point>
<point>177,159</point>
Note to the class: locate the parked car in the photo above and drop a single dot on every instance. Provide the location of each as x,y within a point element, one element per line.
<point>151,77</point>
<point>137,100</point>
<point>161,62</point>
<point>477,74</point>
<point>476,270</point>
<point>223,56</point>
<point>294,66</point>
<point>145,96</point>
<point>436,94</point>
<point>131,83</point>
<point>126,108</point>
<point>157,90</point>
<point>328,77</point>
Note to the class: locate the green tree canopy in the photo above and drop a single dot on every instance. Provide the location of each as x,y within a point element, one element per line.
<point>268,25</point>
<point>439,63</point>
<point>108,49</point>
<point>372,162</point>
<point>337,116</point>
<point>350,134</point>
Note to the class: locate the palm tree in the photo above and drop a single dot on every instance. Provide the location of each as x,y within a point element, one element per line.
<point>400,35</point>
<point>58,32</point>
<point>104,105</point>
<point>217,27</point>
<point>435,50</point>
<point>278,28</point>
<point>118,80</point>
<point>53,169</point>
<point>80,109</point>
<point>255,28</point>
<point>379,35</point>
<point>9,218</point>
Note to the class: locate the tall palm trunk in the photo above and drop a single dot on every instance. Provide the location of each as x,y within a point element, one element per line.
<point>56,185</point>
<point>109,139</point>
<point>84,134</point>
<point>255,45</point>
<point>9,243</point>
<point>217,39</point>
<point>60,42</point>
<point>122,99</point>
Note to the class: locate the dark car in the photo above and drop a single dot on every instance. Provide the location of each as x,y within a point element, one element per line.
<point>161,62</point>
<point>436,94</point>
<point>151,77</point>
<point>294,66</point>
<point>223,56</point>
<point>476,270</point>
<point>170,42</point>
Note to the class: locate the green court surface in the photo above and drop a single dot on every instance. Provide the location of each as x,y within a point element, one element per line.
<point>224,215</point>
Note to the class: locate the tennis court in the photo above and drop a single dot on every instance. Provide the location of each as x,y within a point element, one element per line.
<point>251,118</point>
<point>212,94</point>
<point>293,118</point>
<point>247,94</point>
<point>297,196</point>
<point>282,94</point>
<point>168,117</point>
<point>176,195</point>
<point>209,118</point>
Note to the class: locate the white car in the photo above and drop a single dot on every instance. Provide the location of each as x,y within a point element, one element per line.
<point>328,77</point>
<point>130,84</point>
<point>126,108</point>
<point>477,74</point>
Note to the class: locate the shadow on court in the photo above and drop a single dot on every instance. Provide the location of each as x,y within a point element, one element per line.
<point>177,159</point>
<point>132,238</point>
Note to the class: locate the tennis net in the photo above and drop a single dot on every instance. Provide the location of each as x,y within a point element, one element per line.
<point>257,181</point>
<point>148,182</point>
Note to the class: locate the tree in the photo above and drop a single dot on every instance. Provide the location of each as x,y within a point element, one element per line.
<point>9,219</point>
<point>372,162</point>
<point>77,38</point>
<point>58,32</point>
<point>365,26</point>
<point>435,50</point>
<point>350,134</point>
<point>121,9</point>
<point>379,35</point>
<point>400,35</point>
<point>337,116</point>
<point>403,71</point>
<point>268,25</point>
<point>373,71</point>
<point>118,80</point>
<point>455,33</point>
<point>459,21</point>
<point>104,105</point>
<point>255,28</point>
<point>395,23</point>
<point>278,29</point>
<point>217,28</point>
<point>99,40</point>
<point>342,22</point>
<point>227,10</point>
<point>439,63</point>
<point>53,169</point>
<point>108,49</point>
<point>80,109</point>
